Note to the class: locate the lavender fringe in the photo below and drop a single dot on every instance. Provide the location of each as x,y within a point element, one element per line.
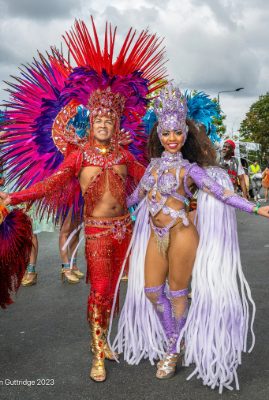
<point>219,317</point>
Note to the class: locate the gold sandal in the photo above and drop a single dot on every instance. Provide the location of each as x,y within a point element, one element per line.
<point>29,279</point>
<point>180,355</point>
<point>68,275</point>
<point>98,371</point>
<point>77,272</point>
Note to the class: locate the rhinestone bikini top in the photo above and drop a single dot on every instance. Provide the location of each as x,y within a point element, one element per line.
<point>166,183</point>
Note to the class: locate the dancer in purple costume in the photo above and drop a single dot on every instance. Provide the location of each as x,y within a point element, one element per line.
<point>166,249</point>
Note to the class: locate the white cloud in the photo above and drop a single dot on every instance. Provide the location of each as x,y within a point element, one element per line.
<point>38,10</point>
<point>212,45</point>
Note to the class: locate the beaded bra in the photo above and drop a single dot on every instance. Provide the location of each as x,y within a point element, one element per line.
<point>166,183</point>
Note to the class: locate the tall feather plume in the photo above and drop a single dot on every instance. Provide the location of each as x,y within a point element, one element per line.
<point>28,151</point>
<point>50,82</point>
<point>138,70</point>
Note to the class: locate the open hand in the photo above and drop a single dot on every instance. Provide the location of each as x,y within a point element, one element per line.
<point>264,211</point>
<point>125,138</point>
<point>5,199</point>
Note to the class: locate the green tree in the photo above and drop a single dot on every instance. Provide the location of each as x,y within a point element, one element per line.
<point>219,122</point>
<point>255,126</point>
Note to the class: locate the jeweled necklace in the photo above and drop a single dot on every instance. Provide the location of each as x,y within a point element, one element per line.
<point>104,149</point>
<point>169,160</point>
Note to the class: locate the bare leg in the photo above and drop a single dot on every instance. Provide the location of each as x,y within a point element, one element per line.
<point>74,243</point>
<point>156,265</point>
<point>65,231</point>
<point>30,276</point>
<point>181,256</point>
<point>72,247</point>
<point>156,269</point>
<point>34,251</point>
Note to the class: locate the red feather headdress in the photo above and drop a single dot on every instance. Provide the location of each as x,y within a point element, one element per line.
<point>36,138</point>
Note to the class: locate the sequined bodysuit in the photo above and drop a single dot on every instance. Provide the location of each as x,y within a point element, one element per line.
<point>158,178</point>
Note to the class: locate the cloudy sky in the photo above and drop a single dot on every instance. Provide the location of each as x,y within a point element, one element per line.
<point>212,45</point>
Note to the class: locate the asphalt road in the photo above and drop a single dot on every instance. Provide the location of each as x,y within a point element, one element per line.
<point>44,338</point>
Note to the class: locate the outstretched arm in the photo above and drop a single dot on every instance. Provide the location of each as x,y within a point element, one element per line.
<point>206,183</point>
<point>69,168</point>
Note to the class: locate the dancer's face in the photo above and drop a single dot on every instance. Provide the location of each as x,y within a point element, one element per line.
<point>103,129</point>
<point>172,141</point>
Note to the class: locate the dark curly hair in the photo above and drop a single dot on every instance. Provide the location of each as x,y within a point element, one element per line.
<point>197,148</point>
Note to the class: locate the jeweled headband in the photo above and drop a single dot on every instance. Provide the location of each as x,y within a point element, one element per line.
<point>171,110</point>
<point>105,102</point>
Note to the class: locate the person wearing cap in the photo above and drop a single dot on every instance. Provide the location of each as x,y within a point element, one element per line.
<point>233,166</point>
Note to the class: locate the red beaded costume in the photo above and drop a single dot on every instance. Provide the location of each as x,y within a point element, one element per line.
<point>107,239</point>
<point>96,86</point>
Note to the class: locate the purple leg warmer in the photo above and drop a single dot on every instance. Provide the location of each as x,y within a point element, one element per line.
<point>172,312</point>
<point>179,306</point>
<point>162,305</point>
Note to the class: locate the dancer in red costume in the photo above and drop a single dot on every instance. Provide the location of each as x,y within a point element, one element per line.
<point>105,97</point>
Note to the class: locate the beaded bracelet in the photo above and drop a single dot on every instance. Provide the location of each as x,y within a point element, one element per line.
<point>256,208</point>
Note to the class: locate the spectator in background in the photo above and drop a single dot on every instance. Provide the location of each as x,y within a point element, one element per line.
<point>70,224</point>
<point>256,179</point>
<point>44,225</point>
<point>265,182</point>
<point>233,166</point>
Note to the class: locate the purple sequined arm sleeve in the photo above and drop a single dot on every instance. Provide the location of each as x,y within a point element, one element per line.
<point>206,183</point>
<point>136,196</point>
<point>139,192</point>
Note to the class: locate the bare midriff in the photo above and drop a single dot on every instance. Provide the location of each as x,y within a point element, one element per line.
<point>107,206</point>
